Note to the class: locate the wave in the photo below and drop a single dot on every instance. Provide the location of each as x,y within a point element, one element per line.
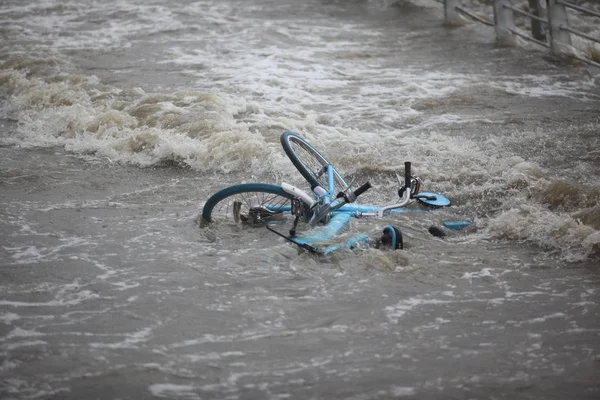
<point>82,115</point>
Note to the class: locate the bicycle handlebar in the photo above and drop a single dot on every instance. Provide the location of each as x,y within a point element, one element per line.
<point>407,180</point>
<point>341,199</point>
<point>362,189</point>
<point>411,183</point>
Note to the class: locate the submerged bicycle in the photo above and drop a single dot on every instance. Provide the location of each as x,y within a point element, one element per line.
<point>325,212</point>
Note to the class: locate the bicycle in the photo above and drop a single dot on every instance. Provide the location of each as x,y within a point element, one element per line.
<point>330,207</point>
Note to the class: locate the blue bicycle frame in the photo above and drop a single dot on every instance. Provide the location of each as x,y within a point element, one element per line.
<point>329,210</point>
<point>338,210</point>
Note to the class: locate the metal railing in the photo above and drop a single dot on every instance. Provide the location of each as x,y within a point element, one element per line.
<point>474,16</point>
<point>552,31</point>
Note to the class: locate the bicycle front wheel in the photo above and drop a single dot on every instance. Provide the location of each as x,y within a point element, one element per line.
<point>250,203</point>
<point>311,163</point>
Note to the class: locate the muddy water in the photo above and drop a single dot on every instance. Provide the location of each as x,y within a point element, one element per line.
<point>120,119</point>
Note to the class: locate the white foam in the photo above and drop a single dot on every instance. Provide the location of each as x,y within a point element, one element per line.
<point>544,318</point>
<point>549,229</point>
<point>20,332</point>
<point>395,312</point>
<point>132,340</point>
<point>538,86</point>
<point>7,317</point>
<point>64,28</point>
<point>170,391</point>
<point>402,391</point>
<point>485,272</point>
<point>212,356</point>
<point>30,252</point>
<point>65,295</point>
<point>24,343</point>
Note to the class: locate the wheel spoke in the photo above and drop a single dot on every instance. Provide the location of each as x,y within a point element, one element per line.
<point>249,203</point>
<point>315,164</point>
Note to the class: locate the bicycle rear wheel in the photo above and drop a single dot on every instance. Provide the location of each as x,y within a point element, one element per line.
<point>311,163</point>
<point>250,203</point>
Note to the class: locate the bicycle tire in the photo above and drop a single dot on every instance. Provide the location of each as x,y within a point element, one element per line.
<point>311,163</point>
<point>253,200</point>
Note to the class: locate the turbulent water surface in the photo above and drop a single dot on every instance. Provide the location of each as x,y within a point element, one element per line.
<point>120,118</point>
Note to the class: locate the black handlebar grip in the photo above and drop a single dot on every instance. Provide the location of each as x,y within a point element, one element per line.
<point>362,189</point>
<point>407,175</point>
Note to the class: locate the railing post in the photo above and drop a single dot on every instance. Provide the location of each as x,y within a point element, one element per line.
<point>451,15</point>
<point>560,40</point>
<point>537,30</point>
<point>504,22</point>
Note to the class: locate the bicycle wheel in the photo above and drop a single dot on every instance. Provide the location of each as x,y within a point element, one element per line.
<point>311,163</point>
<point>250,203</point>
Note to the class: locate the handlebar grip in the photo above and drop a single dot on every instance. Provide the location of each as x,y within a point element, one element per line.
<point>407,174</point>
<point>362,189</point>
